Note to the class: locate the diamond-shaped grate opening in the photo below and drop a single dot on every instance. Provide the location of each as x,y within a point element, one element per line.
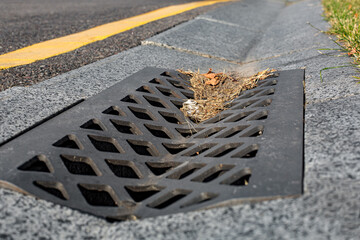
<point>37,164</point>
<point>129,154</point>
<point>105,144</point>
<point>123,169</point>
<point>169,199</point>
<point>98,195</point>
<point>125,127</point>
<point>69,141</point>
<point>80,165</point>
<point>140,193</point>
<point>159,168</point>
<point>54,188</point>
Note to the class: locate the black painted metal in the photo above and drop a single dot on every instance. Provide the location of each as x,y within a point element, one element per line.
<point>129,153</point>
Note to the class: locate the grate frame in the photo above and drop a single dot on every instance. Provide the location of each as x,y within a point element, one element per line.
<point>128,153</point>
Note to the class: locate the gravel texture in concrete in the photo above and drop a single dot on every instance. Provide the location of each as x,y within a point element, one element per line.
<point>329,207</point>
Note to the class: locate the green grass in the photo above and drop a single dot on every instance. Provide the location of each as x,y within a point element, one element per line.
<point>344,17</point>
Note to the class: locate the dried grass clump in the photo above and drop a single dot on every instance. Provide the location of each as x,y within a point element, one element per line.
<point>213,92</point>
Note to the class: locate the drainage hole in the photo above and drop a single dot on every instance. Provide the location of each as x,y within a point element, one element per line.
<point>214,176</point>
<point>156,102</point>
<point>186,171</point>
<point>262,118</point>
<point>189,95</point>
<point>223,150</point>
<point>255,132</point>
<point>188,132</point>
<point>248,152</point>
<point>37,164</point>
<point>169,199</point>
<point>97,195</point>
<point>121,218</point>
<point>259,116</point>
<point>93,124</point>
<point>251,154</point>
<point>54,188</point>
<point>155,81</point>
<point>239,117</point>
<point>218,118</point>
<point>249,95</point>
<point>268,83</point>
<point>160,132</point>
<point>264,103</point>
<point>233,134</point>
<point>123,169</point>
<point>199,150</point>
<point>177,104</point>
<point>130,99</point>
<point>140,113</point>
<point>122,128</point>
<point>176,84</point>
<point>159,168</point>
<point>241,178</point>
<point>176,148</point>
<point>114,110</point>
<point>210,132</point>
<point>268,92</point>
<point>79,165</point>
<point>203,197</point>
<point>243,181</point>
<point>166,74</point>
<point>170,117</point>
<point>140,193</point>
<point>144,89</point>
<point>212,173</point>
<point>69,141</point>
<point>143,148</point>
<point>244,105</point>
<point>105,144</point>
<point>125,127</point>
<point>167,92</point>
<point>233,131</point>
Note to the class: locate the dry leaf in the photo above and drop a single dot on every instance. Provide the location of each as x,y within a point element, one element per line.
<point>212,82</point>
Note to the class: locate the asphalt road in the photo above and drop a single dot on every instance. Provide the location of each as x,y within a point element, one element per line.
<point>26,22</point>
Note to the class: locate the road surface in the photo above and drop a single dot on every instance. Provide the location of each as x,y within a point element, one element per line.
<point>27,22</point>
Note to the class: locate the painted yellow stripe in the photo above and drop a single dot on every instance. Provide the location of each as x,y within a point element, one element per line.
<point>71,42</point>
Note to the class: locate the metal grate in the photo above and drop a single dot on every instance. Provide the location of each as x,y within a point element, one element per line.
<point>129,152</point>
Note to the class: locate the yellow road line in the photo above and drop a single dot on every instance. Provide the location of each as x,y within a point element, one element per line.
<point>71,42</point>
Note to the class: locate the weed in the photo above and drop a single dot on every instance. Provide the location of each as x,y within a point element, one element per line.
<point>344,17</point>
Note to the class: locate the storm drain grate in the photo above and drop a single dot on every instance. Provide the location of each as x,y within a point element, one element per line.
<point>129,152</point>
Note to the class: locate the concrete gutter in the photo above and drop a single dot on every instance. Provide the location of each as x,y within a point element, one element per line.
<point>248,36</point>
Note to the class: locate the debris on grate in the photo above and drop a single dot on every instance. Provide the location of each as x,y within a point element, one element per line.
<point>214,92</point>
<point>130,153</point>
